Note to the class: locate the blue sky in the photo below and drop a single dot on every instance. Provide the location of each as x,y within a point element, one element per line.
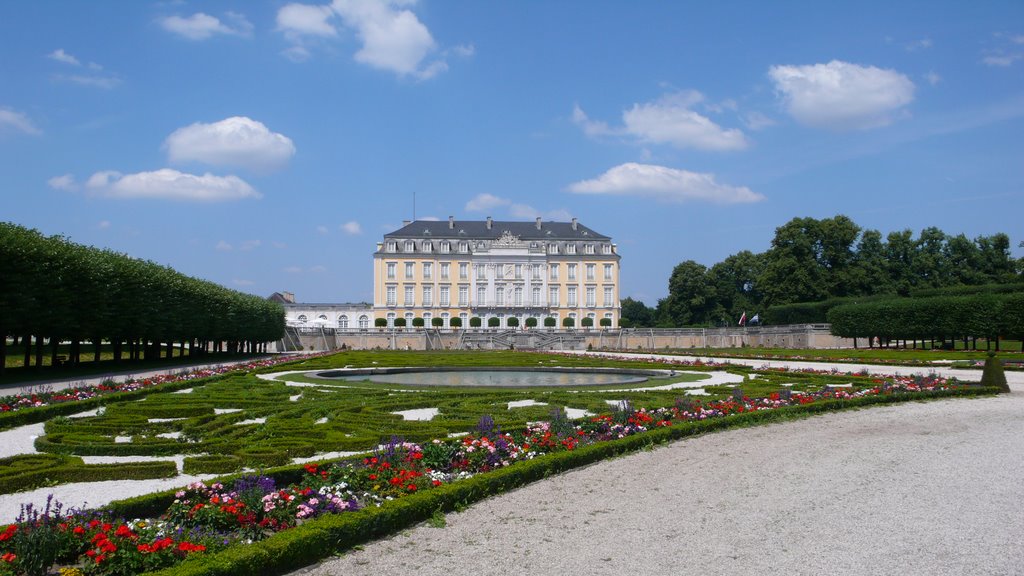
<point>267,146</point>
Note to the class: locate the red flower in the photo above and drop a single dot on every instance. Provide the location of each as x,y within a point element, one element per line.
<point>8,557</point>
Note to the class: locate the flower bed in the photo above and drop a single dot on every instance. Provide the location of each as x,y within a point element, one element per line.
<point>47,398</point>
<point>234,515</point>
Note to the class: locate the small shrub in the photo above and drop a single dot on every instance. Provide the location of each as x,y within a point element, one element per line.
<point>417,322</point>
<point>475,322</point>
<point>568,322</point>
<point>455,322</point>
<point>550,322</point>
<point>380,322</point>
<point>531,322</point>
<point>437,322</point>
<point>493,322</point>
<point>211,464</point>
<point>993,375</point>
<point>513,322</point>
<point>606,322</point>
<point>399,322</point>
<point>587,322</point>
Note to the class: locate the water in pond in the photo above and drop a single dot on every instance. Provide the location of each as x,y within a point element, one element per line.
<point>500,378</point>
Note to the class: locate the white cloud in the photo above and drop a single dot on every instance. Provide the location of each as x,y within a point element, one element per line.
<point>66,183</point>
<point>842,96</point>
<point>9,119</point>
<point>352,227</point>
<point>1002,60</point>
<point>296,53</point>
<point>293,269</point>
<point>235,141</point>
<point>933,78</point>
<point>392,37</point>
<point>318,269</point>
<point>223,246</point>
<point>669,120</point>
<point>61,56</point>
<point>922,44</point>
<point>484,202</point>
<point>321,230</point>
<point>107,82</point>
<point>201,26</point>
<point>297,20</point>
<point>666,184</point>
<point>757,121</point>
<point>464,50</point>
<point>103,224</point>
<point>170,185</point>
<point>429,218</point>
<point>249,245</point>
<point>590,127</point>
<point>526,211</point>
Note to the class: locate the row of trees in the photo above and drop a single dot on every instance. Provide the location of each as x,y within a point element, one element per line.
<point>493,322</point>
<point>811,260</point>
<point>54,290</point>
<point>942,318</point>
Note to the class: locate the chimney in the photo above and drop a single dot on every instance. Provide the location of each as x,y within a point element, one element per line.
<point>538,222</point>
<point>451,223</point>
<point>575,225</point>
<point>489,223</point>
<point>406,222</point>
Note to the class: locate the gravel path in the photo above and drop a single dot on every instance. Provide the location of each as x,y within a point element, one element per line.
<point>924,488</point>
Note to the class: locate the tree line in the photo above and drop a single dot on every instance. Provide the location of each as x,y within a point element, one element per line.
<point>812,260</point>
<point>53,290</point>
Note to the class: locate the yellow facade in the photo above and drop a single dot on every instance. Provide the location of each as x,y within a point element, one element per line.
<point>555,270</point>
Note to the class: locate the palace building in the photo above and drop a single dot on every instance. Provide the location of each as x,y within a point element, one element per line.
<point>497,270</point>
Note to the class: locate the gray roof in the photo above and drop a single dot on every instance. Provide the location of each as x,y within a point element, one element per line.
<point>477,229</point>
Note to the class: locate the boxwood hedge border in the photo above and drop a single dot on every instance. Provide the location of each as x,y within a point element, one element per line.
<point>315,540</point>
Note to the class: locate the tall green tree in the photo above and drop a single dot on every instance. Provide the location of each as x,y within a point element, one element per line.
<point>691,296</point>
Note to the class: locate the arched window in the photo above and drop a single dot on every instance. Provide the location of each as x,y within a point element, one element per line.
<point>322,317</point>
<point>302,318</point>
<point>364,321</point>
<point>343,322</point>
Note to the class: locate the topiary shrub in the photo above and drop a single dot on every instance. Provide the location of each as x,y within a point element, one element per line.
<point>437,322</point>
<point>531,322</point>
<point>568,322</point>
<point>587,322</point>
<point>550,322</point>
<point>211,464</point>
<point>417,322</point>
<point>380,322</point>
<point>399,322</point>
<point>993,375</point>
<point>606,322</point>
<point>493,322</point>
<point>455,322</point>
<point>475,322</point>
<point>513,322</point>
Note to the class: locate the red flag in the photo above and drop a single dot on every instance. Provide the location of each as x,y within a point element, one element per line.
<point>743,318</point>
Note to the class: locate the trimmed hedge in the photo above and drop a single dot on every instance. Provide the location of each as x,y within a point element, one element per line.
<point>211,464</point>
<point>295,548</point>
<point>262,456</point>
<point>73,470</point>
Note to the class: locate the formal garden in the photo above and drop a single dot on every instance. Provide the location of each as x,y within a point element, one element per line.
<point>279,467</point>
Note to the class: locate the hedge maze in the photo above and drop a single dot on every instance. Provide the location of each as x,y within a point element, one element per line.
<point>232,423</point>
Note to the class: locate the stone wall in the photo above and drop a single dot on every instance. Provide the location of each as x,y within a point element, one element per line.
<point>790,336</point>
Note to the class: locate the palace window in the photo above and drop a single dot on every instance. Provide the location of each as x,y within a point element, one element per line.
<point>570,248</point>
<point>364,322</point>
<point>589,248</point>
<point>463,247</point>
<point>606,248</point>
<point>554,271</point>
<point>409,296</point>
<point>445,296</point>
<point>481,271</point>
<point>518,296</point>
<point>481,295</point>
<point>428,295</point>
<point>391,270</point>
<point>572,296</point>
<point>463,270</point>
<point>410,268</point>
<point>392,246</point>
<point>608,296</point>
<point>499,296</point>
<point>391,296</point>
<point>591,297</point>
<point>535,296</point>
<point>590,271</point>
<point>343,322</point>
<point>428,246</point>
<point>553,296</point>
<point>607,271</point>
<point>446,247</point>
<point>410,246</point>
<point>428,270</point>
<point>572,271</point>
<point>302,318</point>
<point>463,295</point>
<point>444,270</point>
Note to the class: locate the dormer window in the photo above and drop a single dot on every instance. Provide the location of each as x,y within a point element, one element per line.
<point>410,246</point>
<point>570,248</point>
<point>463,247</point>
<point>446,247</point>
<point>552,248</point>
<point>428,246</point>
<point>392,247</point>
<point>589,248</point>
<point>606,248</point>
